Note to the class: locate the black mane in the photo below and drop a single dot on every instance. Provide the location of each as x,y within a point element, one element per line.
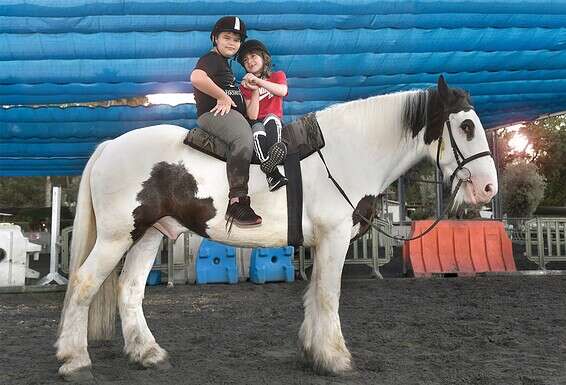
<point>428,109</point>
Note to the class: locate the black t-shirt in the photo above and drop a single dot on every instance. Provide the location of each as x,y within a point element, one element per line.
<point>217,68</point>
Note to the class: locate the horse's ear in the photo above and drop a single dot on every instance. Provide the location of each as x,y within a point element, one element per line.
<point>442,88</point>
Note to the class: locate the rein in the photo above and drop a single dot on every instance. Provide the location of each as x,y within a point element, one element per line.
<point>461,160</point>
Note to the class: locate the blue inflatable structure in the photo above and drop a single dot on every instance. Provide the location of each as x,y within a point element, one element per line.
<point>272,265</point>
<point>216,263</point>
<point>510,55</point>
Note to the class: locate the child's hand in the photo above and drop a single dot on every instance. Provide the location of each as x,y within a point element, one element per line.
<point>223,105</point>
<point>251,79</point>
<point>250,86</point>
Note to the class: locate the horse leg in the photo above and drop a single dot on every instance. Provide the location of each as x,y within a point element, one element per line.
<point>321,337</point>
<point>139,343</point>
<point>85,282</point>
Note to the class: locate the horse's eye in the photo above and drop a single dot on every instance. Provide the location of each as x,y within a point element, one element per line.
<point>468,128</point>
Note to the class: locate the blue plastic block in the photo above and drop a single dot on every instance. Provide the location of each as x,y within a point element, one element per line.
<point>216,263</point>
<point>272,265</point>
<point>154,278</point>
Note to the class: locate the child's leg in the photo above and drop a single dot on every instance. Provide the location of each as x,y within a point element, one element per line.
<point>273,128</point>
<point>234,129</point>
<point>260,140</point>
<point>272,140</point>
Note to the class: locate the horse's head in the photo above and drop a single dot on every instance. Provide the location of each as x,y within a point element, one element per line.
<point>462,151</point>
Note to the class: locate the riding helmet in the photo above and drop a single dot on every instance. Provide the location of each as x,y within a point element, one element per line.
<point>250,46</point>
<point>229,24</point>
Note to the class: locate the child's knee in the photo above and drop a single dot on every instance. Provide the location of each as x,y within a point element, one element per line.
<point>257,127</point>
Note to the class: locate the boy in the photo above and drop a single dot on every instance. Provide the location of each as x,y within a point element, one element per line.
<point>221,110</point>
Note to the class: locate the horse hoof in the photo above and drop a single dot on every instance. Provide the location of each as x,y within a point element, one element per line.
<point>161,365</point>
<point>79,375</point>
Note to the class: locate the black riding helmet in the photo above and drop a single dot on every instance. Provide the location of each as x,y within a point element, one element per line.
<point>250,46</point>
<point>229,24</point>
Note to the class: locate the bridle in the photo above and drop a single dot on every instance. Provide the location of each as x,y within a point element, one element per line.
<point>461,160</point>
<point>462,173</point>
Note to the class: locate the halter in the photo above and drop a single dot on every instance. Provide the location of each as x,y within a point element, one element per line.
<point>461,160</point>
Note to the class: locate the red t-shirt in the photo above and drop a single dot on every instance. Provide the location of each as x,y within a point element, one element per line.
<point>268,103</point>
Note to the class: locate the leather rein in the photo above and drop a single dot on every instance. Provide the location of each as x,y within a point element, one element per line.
<point>462,173</point>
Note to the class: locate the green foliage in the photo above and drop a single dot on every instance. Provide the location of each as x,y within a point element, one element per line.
<point>522,188</point>
<point>549,141</point>
<point>548,138</point>
<point>26,192</point>
<point>22,192</point>
<point>420,193</point>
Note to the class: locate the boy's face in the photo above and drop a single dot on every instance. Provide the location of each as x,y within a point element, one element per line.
<point>228,43</point>
<point>253,63</point>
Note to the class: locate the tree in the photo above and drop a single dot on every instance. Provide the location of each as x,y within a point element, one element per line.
<point>25,192</point>
<point>22,192</point>
<point>522,188</point>
<point>421,190</point>
<point>548,138</point>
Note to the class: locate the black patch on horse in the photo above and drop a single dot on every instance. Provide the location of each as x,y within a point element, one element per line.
<point>430,108</point>
<point>170,191</point>
<point>366,207</point>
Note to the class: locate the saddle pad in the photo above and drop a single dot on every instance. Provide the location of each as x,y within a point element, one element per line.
<point>302,136</point>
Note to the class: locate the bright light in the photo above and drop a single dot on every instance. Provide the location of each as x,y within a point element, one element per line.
<point>520,143</point>
<point>515,127</point>
<point>171,99</point>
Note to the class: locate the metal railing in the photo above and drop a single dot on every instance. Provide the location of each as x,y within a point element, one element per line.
<point>545,240</point>
<point>372,249</point>
<point>516,228</point>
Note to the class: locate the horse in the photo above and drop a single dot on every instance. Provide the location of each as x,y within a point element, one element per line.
<point>147,183</point>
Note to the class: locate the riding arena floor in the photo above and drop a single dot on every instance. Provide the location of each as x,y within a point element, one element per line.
<point>495,330</point>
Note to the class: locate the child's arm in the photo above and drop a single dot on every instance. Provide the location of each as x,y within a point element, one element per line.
<point>275,88</point>
<point>203,83</point>
<point>252,104</point>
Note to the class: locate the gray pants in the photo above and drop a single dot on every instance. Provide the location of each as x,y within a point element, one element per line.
<point>235,130</point>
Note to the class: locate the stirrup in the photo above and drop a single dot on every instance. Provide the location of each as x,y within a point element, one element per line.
<point>276,155</point>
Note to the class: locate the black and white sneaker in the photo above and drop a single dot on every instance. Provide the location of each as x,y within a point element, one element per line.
<point>275,180</point>
<point>275,155</point>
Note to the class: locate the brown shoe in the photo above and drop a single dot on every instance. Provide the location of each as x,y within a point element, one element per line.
<point>241,214</point>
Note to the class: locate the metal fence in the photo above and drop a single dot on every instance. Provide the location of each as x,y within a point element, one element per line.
<point>373,249</point>
<point>177,259</point>
<point>516,228</point>
<point>545,240</point>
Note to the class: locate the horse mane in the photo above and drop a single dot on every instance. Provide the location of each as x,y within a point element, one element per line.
<point>420,109</point>
<point>426,109</point>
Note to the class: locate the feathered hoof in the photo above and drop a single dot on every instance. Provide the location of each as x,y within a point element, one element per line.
<point>333,364</point>
<point>154,358</point>
<point>164,364</point>
<point>79,375</point>
<point>160,365</point>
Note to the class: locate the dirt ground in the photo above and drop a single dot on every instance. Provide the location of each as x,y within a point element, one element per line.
<point>488,330</point>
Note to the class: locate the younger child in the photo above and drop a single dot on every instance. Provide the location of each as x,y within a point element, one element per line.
<point>263,91</point>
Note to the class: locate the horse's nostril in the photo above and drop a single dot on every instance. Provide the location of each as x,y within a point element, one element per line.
<point>489,188</point>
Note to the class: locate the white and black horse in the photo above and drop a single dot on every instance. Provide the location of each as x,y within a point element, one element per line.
<point>147,179</point>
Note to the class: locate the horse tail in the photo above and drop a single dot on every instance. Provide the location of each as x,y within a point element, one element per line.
<point>84,238</point>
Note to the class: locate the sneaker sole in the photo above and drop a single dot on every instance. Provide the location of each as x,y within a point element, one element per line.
<point>276,153</point>
<point>278,186</point>
<point>243,225</point>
